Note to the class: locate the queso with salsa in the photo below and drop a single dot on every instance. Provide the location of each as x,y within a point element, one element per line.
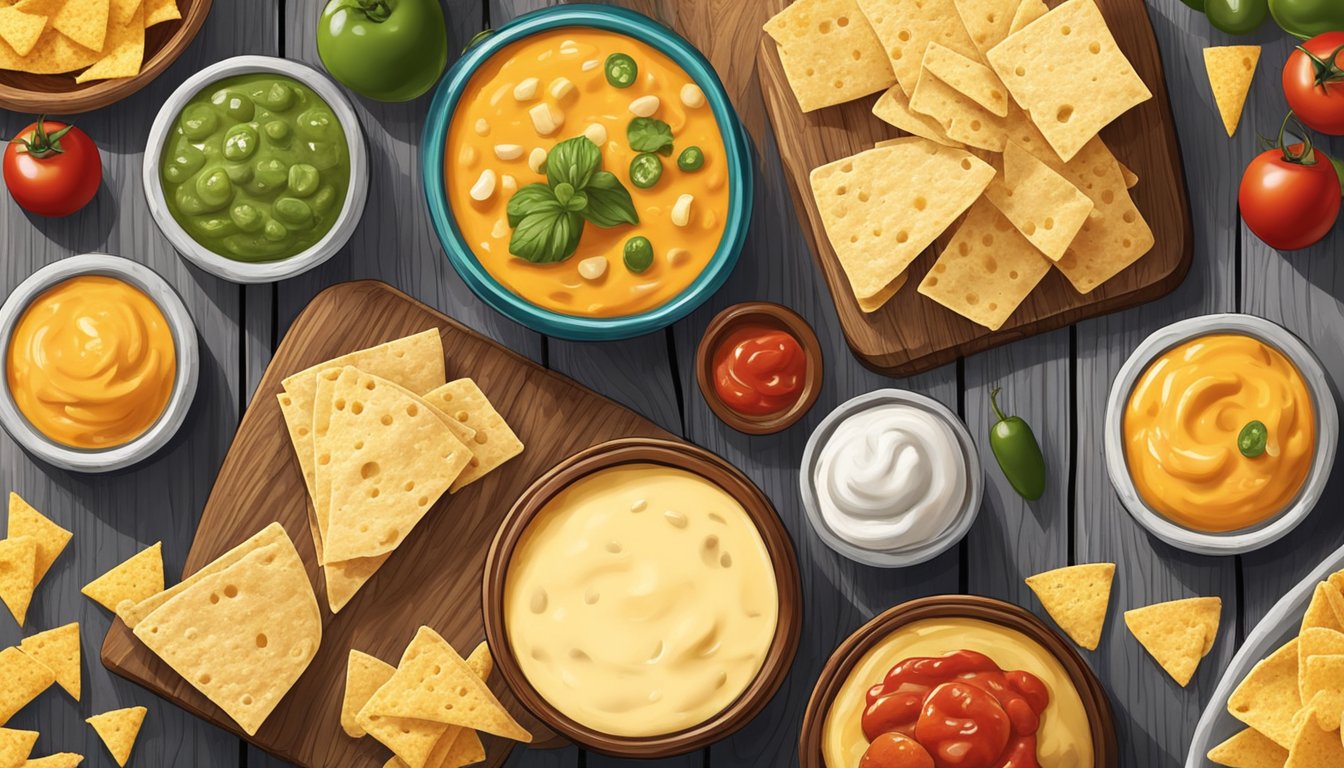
<point>587,173</point>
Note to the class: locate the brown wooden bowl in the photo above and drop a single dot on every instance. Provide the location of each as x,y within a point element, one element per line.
<point>772,316</point>
<point>1095,702</point>
<point>61,95</point>
<point>777,541</point>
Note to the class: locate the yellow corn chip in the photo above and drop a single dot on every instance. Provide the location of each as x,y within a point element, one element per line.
<point>1314,747</point>
<point>159,11</point>
<point>1320,613</point>
<point>493,441</point>
<point>1315,641</point>
<point>53,54</point>
<point>1267,698</point>
<point>829,51</point>
<point>1336,600</point>
<point>882,207</point>
<point>121,11</point>
<point>118,729</point>
<point>1131,178</point>
<point>875,302</point>
<point>50,538</point>
<point>986,270</point>
<point>1044,206</point>
<point>462,746</point>
<point>1176,633</point>
<point>21,30</point>
<point>84,22</point>
<point>46,8</point>
<point>136,579</point>
<point>1066,70</point>
<point>1231,69</point>
<point>58,760</point>
<point>25,678</point>
<point>970,78</point>
<point>1027,12</point>
<point>1322,688</point>
<point>906,27</point>
<point>15,746</point>
<point>364,674</point>
<point>960,117</point>
<point>59,650</point>
<point>893,107</point>
<point>124,52</point>
<point>18,558</point>
<point>1076,597</point>
<point>1249,749</point>
<point>987,21</point>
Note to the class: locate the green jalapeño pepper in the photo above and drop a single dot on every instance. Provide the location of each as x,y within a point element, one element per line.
<point>1253,439</point>
<point>1308,18</point>
<point>1236,17</point>
<point>1018,453</point>
<point>389,50</point>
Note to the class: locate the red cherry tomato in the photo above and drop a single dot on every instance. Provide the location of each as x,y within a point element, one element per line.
<point>895,750</point>
<point>52,169</point>
<point>1313,82</point>
<point>1290,200</point>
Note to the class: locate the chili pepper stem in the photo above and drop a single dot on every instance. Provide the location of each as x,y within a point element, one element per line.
<point>377,10</point>
<point>994,403</point>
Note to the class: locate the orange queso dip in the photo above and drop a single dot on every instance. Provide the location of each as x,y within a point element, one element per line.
<point>641,600</point>
<point>92,362</point>
<point>656,137</point>
<point>1185,420</point>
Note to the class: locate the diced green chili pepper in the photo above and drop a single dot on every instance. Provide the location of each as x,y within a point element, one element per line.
<point>621,70</point>
<point>645,170</point>
<point>638,254</point>
<point>1018,453</point>
<point>1253,439</point>
<point>691,159</point>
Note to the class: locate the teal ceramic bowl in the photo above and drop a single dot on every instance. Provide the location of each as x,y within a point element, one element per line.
<point>515,307</point>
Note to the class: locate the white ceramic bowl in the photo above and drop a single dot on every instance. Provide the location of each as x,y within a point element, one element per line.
<point>1327,434</point>
<point>965,516</point>
<point>184,386</point>
<point>262,271</point>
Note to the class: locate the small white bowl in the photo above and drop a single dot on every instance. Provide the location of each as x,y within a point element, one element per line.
<point>1327,434</point>
<point>261,271</point>
<point>184,385</point>
<point>965,516</point>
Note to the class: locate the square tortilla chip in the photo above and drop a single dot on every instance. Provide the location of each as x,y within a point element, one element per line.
<point>25,678</point>
<point>971,78</point>
<point>987,21</point>
<point>18,558</point>
<point>1176,633</point>
<point>1027,12</point>
<point>118,729</point>
<point>159,11</point>
<point>1231,70</point>
<point>493,443</point>
<point>1249,749</point>
<point>893,107</point>
<point>58,760</point>
<point>1267,698</point>
<point>986,270</point>
<point>21,30</point>
<point>1072,83</point>
<point>906,27</point>
<point>136,579</point>
<point>59,650</point>
<point>1322,689</point>
<point>364,674</point>
<point>829,51</point>
<point>882,207</point>
<point>16,745</point>
<point>1044,206</point>
<point>1077,597</point>
<point>51,539</point>
<point>960,117</point>
<point>124,52</point>
<point>84,22</point>
<point>1315,641</point>
<point>1314,747</point>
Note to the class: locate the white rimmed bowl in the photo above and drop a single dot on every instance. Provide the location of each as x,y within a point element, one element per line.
<point>965,515</point>
<point>1327,434</point>
<point>184,385</point>
<point>260,271</point>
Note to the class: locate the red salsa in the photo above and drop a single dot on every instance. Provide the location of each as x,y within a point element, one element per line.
<point>759,370</point>
<point>955,711</point>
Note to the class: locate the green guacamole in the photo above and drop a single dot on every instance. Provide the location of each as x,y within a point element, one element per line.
<point>256,167</point>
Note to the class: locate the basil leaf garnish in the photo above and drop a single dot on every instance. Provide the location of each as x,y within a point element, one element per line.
<point>533,197</point>
<point>647,134</point>
<point>609,202</point>
<point>572,162</point>
<point>547,236</point>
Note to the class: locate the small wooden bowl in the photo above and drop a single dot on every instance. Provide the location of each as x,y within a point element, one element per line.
<point>61,95</point>
<point>777,541</point>
<point>1104,745</point>
<point>772,316</point>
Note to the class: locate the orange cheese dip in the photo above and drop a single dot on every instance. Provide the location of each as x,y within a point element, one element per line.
<point>92,362</point>
<point>1181,427</point>
<point>492,123</point>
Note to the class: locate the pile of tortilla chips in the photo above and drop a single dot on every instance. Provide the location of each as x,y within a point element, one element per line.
<point>1293,699</point>
<point>104,38</point>
<point>380,435</point>
<point>31,545</point>
<point>1004,100</point>
<point>429,708</point>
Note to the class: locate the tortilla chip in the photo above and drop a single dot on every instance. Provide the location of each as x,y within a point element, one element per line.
<point>877,300</point>
<point>1314,747</point>
<point>987,21</point>
<point>58,760</point>
<point>1043,205</point>
<point>124,53</point>
<point>986,270</point>
<point>1249,749</point>
<point>1267,697</point>
<point>59,650</point>
<point>829,51</point>
<point>461,746</point>
<point>84,22</point>
<point>263,603</point>
<point>893,107</point>
<point>16,745</point>
<point>1231,70</point>
<point>1315,641</point>
<point>136,579</point>
<point>21,30</point>
<point>118,729</point>
<point>51,539</point>
<point>906,27</point>
<point>1320,612</point>
<point>25,678</point>
<point>18,561</point>
<point>159,11</point>
<point>971,78</point>
<point>121,11</point>
<point>1176,633</point>
<point>1131,178</point>
<point>494,442</point>
<point>882,207</point>
<point>1027,12</point>
<point>364,674</point>
<point>54,54</point>
<point>1076,597</point>
<point>1322,688</point>
<point>1066,70</point>
<point>959,116</point>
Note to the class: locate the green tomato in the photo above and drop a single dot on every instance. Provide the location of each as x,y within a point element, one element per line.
<point>1236,17</point>
<point>1308,18</point>
<point>389,50</point>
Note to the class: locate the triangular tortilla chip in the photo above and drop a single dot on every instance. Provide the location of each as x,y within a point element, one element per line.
<point>1322,688</point>
<point>1231,70</point>
<point>58,760</point>
<point>1176,633</point>
<point>364,674</point>
<point>84,22</point>
<point>829,51</point>
<point>1076,597</point>
<point>1043,205</point>
<point>1320,613</point>
<point>987,21</point>
<point>21,30</point>
<point>53,54</point>
<point>1314,747</point>
<point>893,107</point>
<point>960,117</point>
<point>59,650</point>
<point>121,11</point>
<point>493,442</point>
<point>123,54</point>
<point>906,28</point>
<point>18,561</point>
<point>118,729</point>
<point>16,745</point>
<point>159,11</point>
<point>51,539</point>
<point>1027,12</point>
<point>1249,749</point>
<point>1315,641</point>
<point>971,78</point>
<point>25,678</point>
<point>1267,698</point>
<point>138,578</point>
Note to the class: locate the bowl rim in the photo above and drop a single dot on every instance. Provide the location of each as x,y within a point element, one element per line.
<point>185,380</point>
<point>1101,718</point>
<point>777,316</point>
<point>1327,433</point>
<point>779,659</point>
<point>463,259</point>
<point>356,194</point>
<point>966,516</point>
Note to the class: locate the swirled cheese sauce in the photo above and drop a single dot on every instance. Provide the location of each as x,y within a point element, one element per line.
<point>641,600</point>
<point>1183,419</point>
<point>92,362</point>
<point>891,477</point>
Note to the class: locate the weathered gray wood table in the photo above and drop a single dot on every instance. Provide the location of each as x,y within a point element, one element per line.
<point>1058,382</point>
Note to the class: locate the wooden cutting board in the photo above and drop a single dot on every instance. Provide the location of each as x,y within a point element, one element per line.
<point>434,578</point>
<point>912,333</point>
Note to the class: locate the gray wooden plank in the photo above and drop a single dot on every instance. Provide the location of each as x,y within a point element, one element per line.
<point>114,516</point>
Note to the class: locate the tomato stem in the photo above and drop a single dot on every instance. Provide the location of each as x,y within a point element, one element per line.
<point>1327,70</point>
<point>1307,155</point>
<point>42,144</point>
<point>378,11</point>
